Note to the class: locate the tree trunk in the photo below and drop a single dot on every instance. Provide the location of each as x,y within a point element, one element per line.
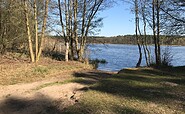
<point>154,32</point>
<point>67,31</point>
<point>75,28</point>
<point>36,29</point>
<point>71,30</point>
<point>28,32</point>
<point>136,31</point>
<point>63,31</point>
<point>145,47</point>
<point>158,32</point>
<point>67,52</point>
<point>43,29</point>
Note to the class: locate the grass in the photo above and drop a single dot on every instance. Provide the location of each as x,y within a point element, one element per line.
<point>141,91</point>
<point>13,72</point>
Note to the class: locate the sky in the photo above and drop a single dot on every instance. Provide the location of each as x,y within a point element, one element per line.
<point>118,20</point>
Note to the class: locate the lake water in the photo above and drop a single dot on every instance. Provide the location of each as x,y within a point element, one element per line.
<point>121,56</point>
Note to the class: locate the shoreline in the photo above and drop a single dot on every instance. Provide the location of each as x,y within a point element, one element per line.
<point>130,44</point>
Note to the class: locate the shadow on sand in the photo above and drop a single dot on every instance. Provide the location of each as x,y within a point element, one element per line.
<point>39,105</point>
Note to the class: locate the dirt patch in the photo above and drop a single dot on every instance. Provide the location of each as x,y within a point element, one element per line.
<point>24,99</point>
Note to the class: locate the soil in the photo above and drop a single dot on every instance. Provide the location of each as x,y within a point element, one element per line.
<point>25,99</point>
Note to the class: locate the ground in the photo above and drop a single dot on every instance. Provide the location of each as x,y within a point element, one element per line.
<point>55,87</point>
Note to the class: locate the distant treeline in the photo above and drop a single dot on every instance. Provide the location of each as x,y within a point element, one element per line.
<point>130,39</point>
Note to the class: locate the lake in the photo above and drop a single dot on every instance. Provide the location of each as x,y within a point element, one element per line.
<point>119,56</point>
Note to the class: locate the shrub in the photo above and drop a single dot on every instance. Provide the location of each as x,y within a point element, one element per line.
<point>40,70</point>
<point>167,57</point>
<point>96,61</point>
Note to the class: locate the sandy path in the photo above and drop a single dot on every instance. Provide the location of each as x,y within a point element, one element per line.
<point>25,99</point>
<point>51,99</point>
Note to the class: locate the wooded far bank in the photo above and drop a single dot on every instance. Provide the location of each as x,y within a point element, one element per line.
<point>130,39</point>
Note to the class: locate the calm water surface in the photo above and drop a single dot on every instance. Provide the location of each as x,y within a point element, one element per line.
<point>121,56</point>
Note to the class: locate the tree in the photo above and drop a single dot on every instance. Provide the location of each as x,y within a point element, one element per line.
<point>144,41</point>
<point>174,18</point>
<point>143,12</point>
<point>65,25</point>
<point>12,27</point>
<point>136,31</point>
<point>154,3</point>
<point>35,57</point>
<point>28,32</point>
<point>78,18</point>
<point>43,29</point>
<point>88,14</point>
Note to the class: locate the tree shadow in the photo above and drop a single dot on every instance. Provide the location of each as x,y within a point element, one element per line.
<point>138,86</point>
<point>149,72</point>
<point>83,108</point>
<point>54,55</point>
<point>92,77</point>
<point>163,71</point>
<point>44,105</point>
<point>97,75</point>
<point>39,105</point>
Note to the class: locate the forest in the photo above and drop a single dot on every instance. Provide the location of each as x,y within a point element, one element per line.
<point>45,66</point>
<point>130,39</point>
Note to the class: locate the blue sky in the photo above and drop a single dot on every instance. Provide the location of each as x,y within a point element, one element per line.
<point>118,20</point>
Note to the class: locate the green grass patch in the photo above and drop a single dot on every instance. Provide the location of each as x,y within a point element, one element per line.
<point>40,70</point>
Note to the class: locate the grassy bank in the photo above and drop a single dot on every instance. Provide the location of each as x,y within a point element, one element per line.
<point>138,91</point>
<point>15,71</point>
<point>131,91</point>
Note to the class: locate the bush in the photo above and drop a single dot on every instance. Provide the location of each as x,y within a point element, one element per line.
<point>40,70</point>
<point>54,55</point>
<point>96,61</point>
<point>167,57</point>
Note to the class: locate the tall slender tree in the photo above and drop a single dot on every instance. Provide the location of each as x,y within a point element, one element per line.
<point>43,29</point>
<point>136,32</point>
<point>38,45</point>
<point>144,43</point>
<point>29,32</point>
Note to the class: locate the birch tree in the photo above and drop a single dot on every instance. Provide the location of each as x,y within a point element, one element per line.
<point>77,18</point>
<point>90,9</point>
<point>156,30</point>
<point>43,29</point>
<point>136,31</point>
<point>29,32</point>
<point>38,42</point>
<point>144,42</point>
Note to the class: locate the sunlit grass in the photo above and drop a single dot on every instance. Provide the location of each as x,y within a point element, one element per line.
<point>13,73</point>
